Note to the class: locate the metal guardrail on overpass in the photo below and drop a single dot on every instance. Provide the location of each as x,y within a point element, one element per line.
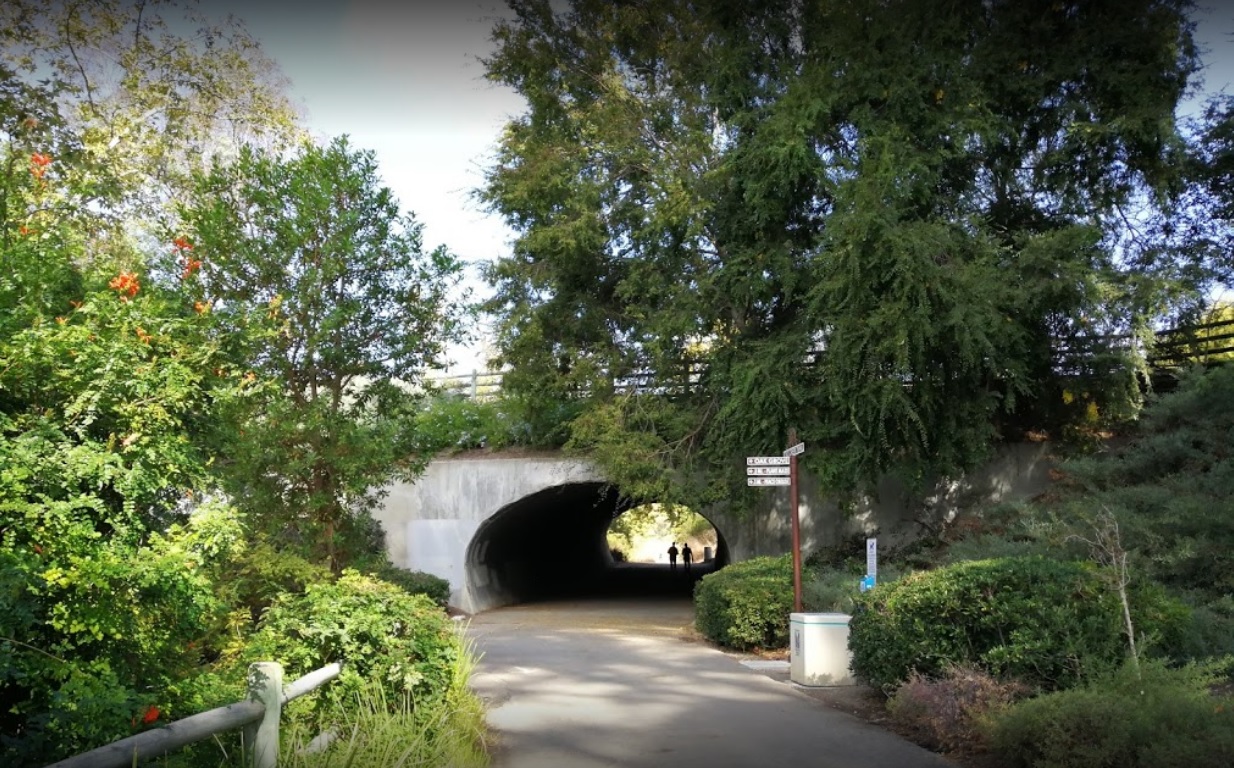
<point>1204,343</point>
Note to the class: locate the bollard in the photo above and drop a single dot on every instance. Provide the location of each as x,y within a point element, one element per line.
<point>261,739</point>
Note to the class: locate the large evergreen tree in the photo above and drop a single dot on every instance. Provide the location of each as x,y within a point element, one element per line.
<point>877,222</point>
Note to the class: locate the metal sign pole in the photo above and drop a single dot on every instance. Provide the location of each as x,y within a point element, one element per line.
<point>792,492</point>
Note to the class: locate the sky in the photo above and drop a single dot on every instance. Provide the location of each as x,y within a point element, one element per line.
<point>405,80</point>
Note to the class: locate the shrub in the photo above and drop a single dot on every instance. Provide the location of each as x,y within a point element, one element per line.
<point>992,547</point>
<point>435,588</point>
<point>378,631</point>
<point>746,605</point>
<point>1048,622</point>
<point>1151,718</point>
<point>952,712</point>
<point>830,591</point>
<point>1210,633</point>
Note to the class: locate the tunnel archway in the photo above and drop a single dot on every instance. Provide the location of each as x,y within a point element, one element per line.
<point>552,544</point>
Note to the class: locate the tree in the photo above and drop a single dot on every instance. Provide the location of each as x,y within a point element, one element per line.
<point>144,90</point>
<point>309,259</point>
<point>876,222</point>
<point>103,410</point>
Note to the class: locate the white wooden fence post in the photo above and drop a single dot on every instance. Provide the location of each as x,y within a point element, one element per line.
<point>261,739</point>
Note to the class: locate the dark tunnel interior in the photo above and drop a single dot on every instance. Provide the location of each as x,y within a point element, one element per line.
<point>552,545</point>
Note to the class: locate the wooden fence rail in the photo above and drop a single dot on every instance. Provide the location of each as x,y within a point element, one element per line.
<point>258,716</point>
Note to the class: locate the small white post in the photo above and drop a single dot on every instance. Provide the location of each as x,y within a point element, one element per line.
<point>261,739</point>
<point>475,384</point>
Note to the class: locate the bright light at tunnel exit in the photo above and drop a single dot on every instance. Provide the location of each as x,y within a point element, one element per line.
<point>644,533</point>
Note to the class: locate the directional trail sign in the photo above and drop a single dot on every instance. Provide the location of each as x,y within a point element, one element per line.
<point>795,450</point>
<point>767,461</point>
<point>769,480</point>
<point>768,470</point>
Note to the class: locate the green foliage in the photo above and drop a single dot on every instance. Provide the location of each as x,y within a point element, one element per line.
<point>876,222</point>
<point>145,100</point>
<point>1146,717</point>
<point>830,591</point>
<point>995,546</point>
<point>336,309</point>
<point>1170,484</point>
<point>433,587</point>
<point>126,588</point>
<point>746,605</point>
<point>1050,623</point>
<point>376,731</point>
<point>456,423</point>
<point>380,633</point>
<point>630,436</point>
<point>658,521</point>
<point>103,412</point>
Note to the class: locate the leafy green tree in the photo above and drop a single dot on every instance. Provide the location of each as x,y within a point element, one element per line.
<point>878,222</point>
<point>142,91</point>
<point>102,412</point>
<point>309,259</point>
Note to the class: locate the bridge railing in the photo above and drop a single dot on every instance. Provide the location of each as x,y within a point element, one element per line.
<point>474,386</point>
<point>1202,343</point>
<point>258,716</point>
<point>1074,356</point>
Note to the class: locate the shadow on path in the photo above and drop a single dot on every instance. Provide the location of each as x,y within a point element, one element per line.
<point>611,682</point>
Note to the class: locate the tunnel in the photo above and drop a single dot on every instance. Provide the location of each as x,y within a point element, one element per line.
<point>551,545</point>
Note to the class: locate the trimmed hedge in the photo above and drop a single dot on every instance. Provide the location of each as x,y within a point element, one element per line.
<point>1050,623</point>
<point>746,605</point>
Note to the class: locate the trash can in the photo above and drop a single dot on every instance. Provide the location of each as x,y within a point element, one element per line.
<point>818,649</point>
<point>706,554</point>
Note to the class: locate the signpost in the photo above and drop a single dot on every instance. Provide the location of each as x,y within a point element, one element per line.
<point>763,471</point>
<point>871,577</point>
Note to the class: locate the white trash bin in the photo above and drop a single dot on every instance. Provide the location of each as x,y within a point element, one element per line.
<point>818,649</point>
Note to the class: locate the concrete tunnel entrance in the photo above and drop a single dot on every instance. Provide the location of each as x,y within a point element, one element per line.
<point>552,545</point>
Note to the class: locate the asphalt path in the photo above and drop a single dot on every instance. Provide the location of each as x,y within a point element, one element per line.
<point>617,683</point>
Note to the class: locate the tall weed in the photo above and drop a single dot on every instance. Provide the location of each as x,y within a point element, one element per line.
<point>375,732</point>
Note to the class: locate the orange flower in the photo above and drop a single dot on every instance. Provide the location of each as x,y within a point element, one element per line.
<point>141,334</point>
<point>125,284</point>
<point>25,231</point>
<point>191,265</point>
<point>152,714</point>
<point>182,244</point>
<point>201,307</point>
<point>38,164</point>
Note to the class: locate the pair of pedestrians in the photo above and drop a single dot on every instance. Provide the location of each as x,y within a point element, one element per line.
<point>687,556</point>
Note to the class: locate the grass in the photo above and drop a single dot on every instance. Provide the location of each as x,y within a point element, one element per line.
<point>448,732</point>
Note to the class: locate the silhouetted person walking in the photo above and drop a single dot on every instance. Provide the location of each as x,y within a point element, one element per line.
<point>672,556</point>
<point>686,556</point>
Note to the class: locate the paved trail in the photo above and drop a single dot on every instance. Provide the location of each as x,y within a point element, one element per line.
<point>583,684</point>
